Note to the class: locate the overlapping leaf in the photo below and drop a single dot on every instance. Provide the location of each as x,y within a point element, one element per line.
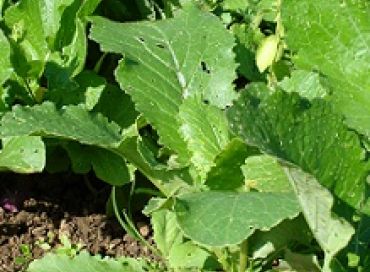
<point>264,174</point>
<point>227,218</point>
<point>107,165</point>
<point>310,135</point>
<point>205,129</point>
<point>72,122</point>
<point>331,233</point>
<point>166,232</point>
<point>307,84</point>
<point>333,37</point>
<point>44,31</point>
<point>226,173</point>
<point>166,61</point>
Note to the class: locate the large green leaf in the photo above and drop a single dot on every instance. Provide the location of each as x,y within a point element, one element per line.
<point>5,65</point>
<point>333,37</point>
<point>166,61</point>
<point>227,218</point>
<point>310,135</point>
<point>71,122</point>
<point>332,233</point>
<point>83,262</point>
<point>24,154</point>
<point>205,129</point>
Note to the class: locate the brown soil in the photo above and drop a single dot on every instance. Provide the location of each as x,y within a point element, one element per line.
<point>50,206</point>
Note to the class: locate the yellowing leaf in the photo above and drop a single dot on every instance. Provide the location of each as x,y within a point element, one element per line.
<point>266,52</point>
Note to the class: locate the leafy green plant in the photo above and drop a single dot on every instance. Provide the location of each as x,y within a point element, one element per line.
<point>250,118</point>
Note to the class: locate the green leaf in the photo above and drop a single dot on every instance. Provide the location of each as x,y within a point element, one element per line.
<point>307,84</point>
<point>24,154</point>
<point>205,129</point>
<point>166,233</point>
<point>266,52</point>
<point>311,136</point>
<point>287,233</point>
<point>332,37</point>
<point>117,106</point>
<point>246,43</point>
<point>80,161</point>
<point>87,92</point>
<point>226,173</point>
<point>188,256</point>
<point>302,262</point>
<point>235,5</point>
<point>359,245</point>
<point>264,174</point>
<point>332,233</point>
<point>166,61</point>
<point>5,65</point>
<point>167,180</point>
<point>228,218</point>
<point>110,167</point>
<point>82,262</point>
<point>49,31</point>
<point>30,26</point>
<point>71,38</point>
<point>71,122</point>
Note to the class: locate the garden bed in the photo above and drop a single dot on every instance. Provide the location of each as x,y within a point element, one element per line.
<point>50,206</point>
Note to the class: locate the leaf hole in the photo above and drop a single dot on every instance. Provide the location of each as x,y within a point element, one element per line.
<point>141,39</point>
<point>206,101</point>
<point>205,67</point>
<point>160,45</point>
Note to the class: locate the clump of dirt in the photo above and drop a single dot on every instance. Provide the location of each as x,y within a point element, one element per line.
<point>45,208</point>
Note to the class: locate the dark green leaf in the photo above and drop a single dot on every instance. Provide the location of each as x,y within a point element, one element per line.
<point>310,135</point>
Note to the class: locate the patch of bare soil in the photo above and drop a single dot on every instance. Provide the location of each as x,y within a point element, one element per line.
<point>37,210</point>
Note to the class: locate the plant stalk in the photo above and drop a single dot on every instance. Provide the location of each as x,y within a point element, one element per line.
<point>243,257</point>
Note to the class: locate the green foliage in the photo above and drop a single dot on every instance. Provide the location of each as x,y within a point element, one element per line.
<point>337,47</point>
<point>310,135</point>
<point>168,61</point>
<point>249,118</point>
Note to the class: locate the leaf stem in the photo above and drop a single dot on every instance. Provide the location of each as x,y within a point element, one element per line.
<point>221,259</point>
<point>127,224</point>
<point>243,257</point>
<point>99,63</point>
